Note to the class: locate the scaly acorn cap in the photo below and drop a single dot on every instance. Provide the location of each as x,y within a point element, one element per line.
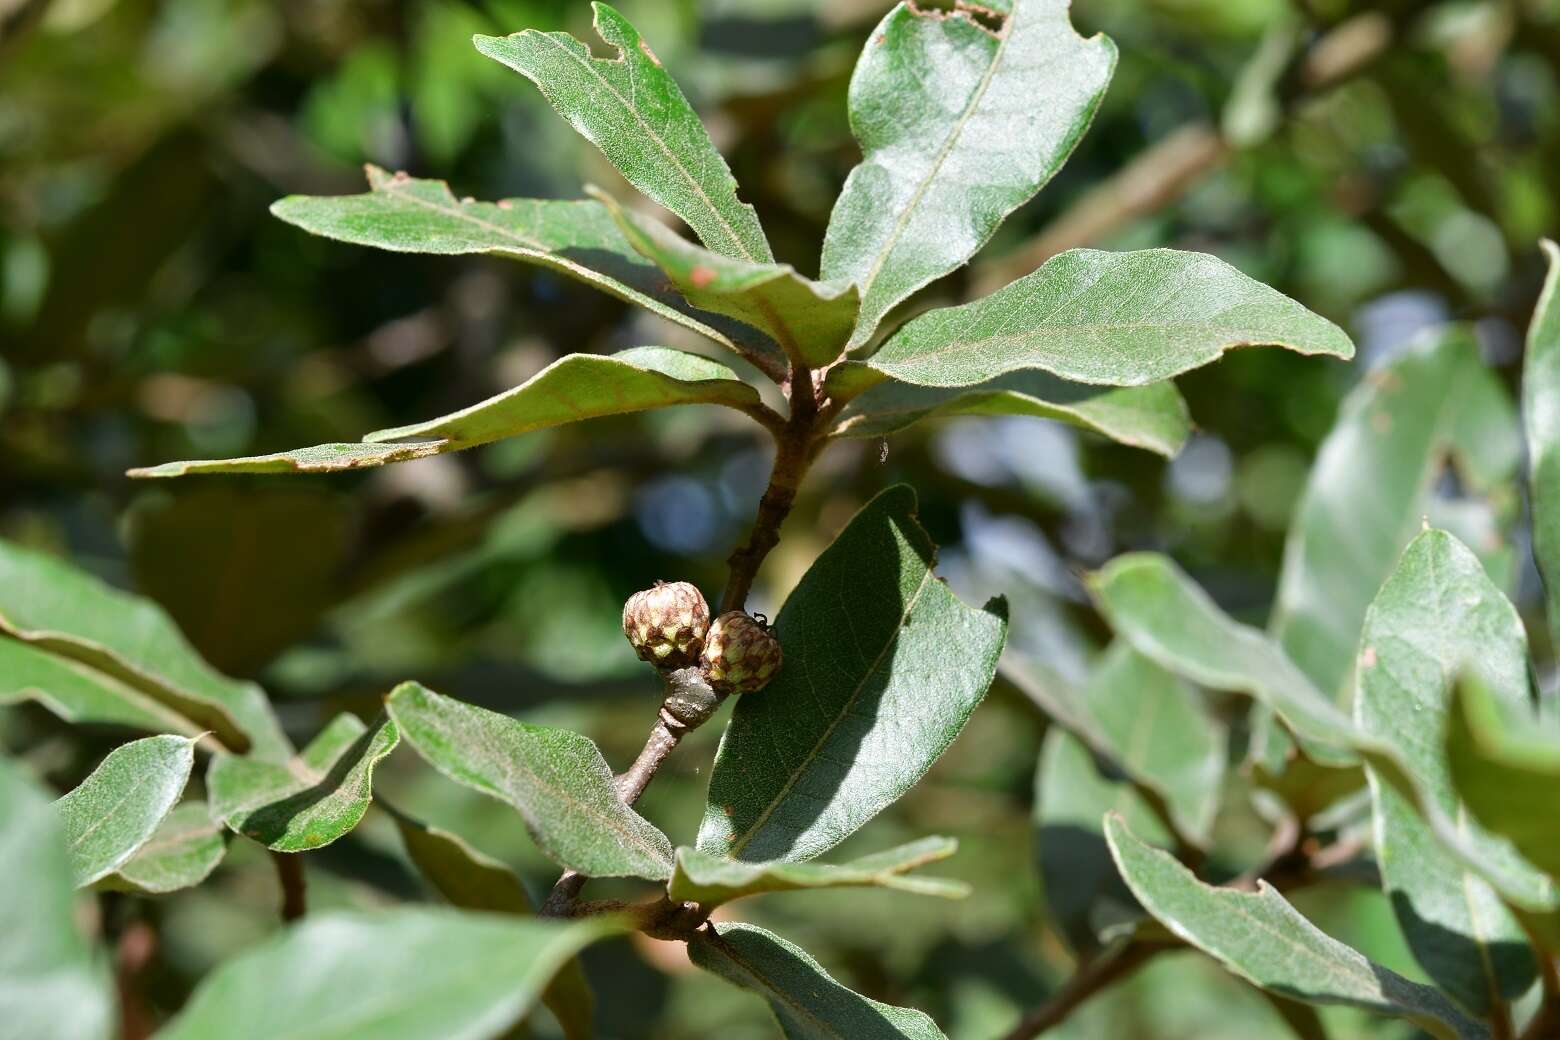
<point>666,624</point>
<point>740,654</point>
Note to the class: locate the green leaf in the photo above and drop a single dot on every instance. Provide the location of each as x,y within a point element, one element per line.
<point>1160,737</point>
<point>571,389</point>
<point>1084,894</point>
<point>71,615</point>
<point>117,808</point>
<point>1153,417</point>
<point>411,973</point>
<point>53,985</point>
<point>1154,606</point>
<point>811,321</point>
<point>630,107</point>
<point>952,139</point>
<point>1505,768</point>
<point>472,880</point>
<point>469,879</point>
<point>883,666</point>
<point>1436,614</point>
<point>310,801</point>
<point>1541,420</point>
<point>806,1001</point>
<point>77,693</point>
<point>555,779</point>
<point>181,853</point>
<point>1118,319</point>
<point>712,880</point>
<point>1260,937</point>
<point>573,237</point>
<point>1371,487</point>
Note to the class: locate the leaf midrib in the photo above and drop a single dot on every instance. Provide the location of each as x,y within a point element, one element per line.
<point>589,66</point>
<point>562,794</point>
<point>811,756</point>
<point>903,221</point>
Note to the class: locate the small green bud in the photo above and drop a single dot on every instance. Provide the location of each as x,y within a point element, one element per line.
<point>666,624</point>
<point>740,655</point>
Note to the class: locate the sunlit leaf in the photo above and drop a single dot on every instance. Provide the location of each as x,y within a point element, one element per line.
<point>111,814</point>
<point>181,853</point>
<point>309,801</point>
<point>952,139</point>
<point>1118,319</point>
<point>472,880</point>
<point>53,985</point>
<point>1152,417</point>
<point>1162,613</point>
<point>883,666</point>
<point>711,880</point>
<point>630,107</point>
<point>1260,937</point>
<point>573,388</point>
<point>811,321</point>
<point>576,238</point>
<point>1370,490</point>
<point>410,973</point>
<point>1437,614</point>
<point>556,780</point>
<point>71,615</point>
<point>1541,419</point>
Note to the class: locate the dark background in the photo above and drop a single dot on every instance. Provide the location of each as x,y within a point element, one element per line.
<point>1391,166</point>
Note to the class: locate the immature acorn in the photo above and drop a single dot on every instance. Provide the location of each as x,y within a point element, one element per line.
<point>740,655</point>
<point>666,624</point>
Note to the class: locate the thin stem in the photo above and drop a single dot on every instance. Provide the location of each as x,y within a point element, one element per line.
<point>793,455</point>
<point>1097,975</point>
<point>289,871</point>
<point>689,703</point>
<point>1546,1020</point>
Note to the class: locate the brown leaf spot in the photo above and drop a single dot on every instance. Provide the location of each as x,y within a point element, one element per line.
<point>701,276</point>
<point>1368,657</point>
<point>649,53</point>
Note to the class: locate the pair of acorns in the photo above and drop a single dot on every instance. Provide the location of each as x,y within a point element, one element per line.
<point>669,626</point>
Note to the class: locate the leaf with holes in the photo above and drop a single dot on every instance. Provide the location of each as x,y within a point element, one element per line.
<point>811,321</point>
<point>575,237</point>
<point>556,780</point>
<point>630,107</point>
<point>310,801</point>
<point>104,640</point>
<point>118,807</point>
<point>952,140</point>
<point>883,666</point>
<point>1437,615</point>
<point>181,853</point>
<point>408,973</point>
<point>53,985</point>
<point>712,880</point>
<point>806,1001</point>
<point>1116,319</point>
<point>1152,417</point>
<point>1260,937</point>
<point>571,389</point>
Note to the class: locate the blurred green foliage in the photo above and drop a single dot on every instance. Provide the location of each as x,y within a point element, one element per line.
<point>151,309</point>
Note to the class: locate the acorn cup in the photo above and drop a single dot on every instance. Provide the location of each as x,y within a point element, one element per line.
<point>740,654</point>
<point>666,624</point>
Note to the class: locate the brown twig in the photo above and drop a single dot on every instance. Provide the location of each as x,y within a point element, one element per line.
<point>289,871</point>
<point>689,703</point>
<point>1095,976</point>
